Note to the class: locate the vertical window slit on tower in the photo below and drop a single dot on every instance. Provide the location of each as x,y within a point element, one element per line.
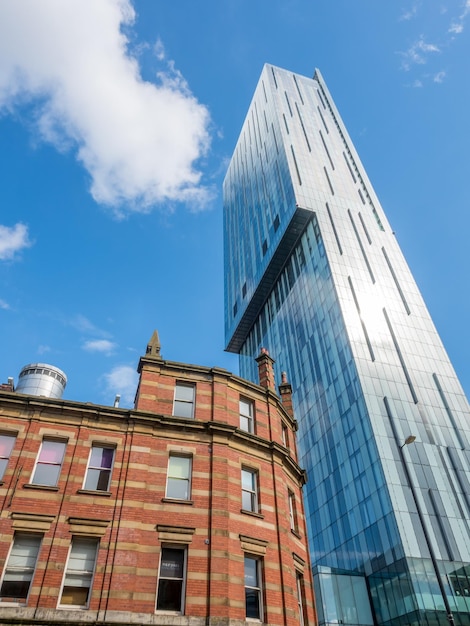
<point>365,229</point>
<point>321,99</point>
<point>349,166</point>
<point>329,181</point>
<point>397,284</point>
<point>400,357</point>
<point>296,166</point>
<point>266,121</point>
<point>377,218</point>
<point>257,124</point>
<point>450,415</point>
<point>334,229</point>
<point>366,260</point>
<point>361,196</point>
<point>298,89</point>
<point>264,91</point>
<point>323,120</point>
<point>438,514</point>
<point>285,122</point>
<point>274,76</point>
<point>275,138</point>
<point>288,103</point>
<point>303,128</point>
<point>326,150</point>
<point>364,328</point>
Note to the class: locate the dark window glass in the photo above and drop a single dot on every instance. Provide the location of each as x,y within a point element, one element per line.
<point>171,580</point>
<point>252,588</point>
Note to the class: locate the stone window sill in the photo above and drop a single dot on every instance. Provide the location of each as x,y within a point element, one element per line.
<point>95,492</point>
<point>178,501</point>
<point>252,513</point>
<point>40,487</point>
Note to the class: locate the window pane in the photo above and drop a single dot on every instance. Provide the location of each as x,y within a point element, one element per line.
<point>78,596</point>
<point>248,480</point>
<point>183,409</point>
<point>178,489</point>
<point>52,452</point>
<point>184,392</point>
<point>3,466</point>
<point>46,475</point>
<point>172,563</point>
<point>179,466</point>
<point>169,595</point>
<point>101,457</point>
<point>252,603</point>
<point>6,445</point>
<point>97,480</point>
<point>251,572</point>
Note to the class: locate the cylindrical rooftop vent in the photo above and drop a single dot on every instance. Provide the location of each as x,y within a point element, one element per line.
<point>41,379</point>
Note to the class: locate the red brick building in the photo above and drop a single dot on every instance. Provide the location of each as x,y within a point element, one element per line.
<point>186,509</point>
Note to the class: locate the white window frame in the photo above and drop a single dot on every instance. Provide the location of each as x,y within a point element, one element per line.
<point>102,446</point>
<point>184,549</point>
<point>258,588</point>
<point>253,492</point>
<point>87,575</point>
<point>28,571</point>
<point>184,401</point>
<point>299,582</point>
<point>285,436</point>
<point>186,479</point>
<point>54,464</point>
<point>292,511</point>
<point>247,417</point>
<point>6,458</point>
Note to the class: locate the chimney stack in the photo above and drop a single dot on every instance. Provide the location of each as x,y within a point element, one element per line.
<point>285,391</point>
<point>266,370</point>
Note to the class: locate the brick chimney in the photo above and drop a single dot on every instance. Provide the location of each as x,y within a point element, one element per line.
<point>265,370</point>
<point>285,391</point>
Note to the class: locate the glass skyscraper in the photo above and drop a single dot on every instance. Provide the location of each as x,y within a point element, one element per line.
<point>313,273</point>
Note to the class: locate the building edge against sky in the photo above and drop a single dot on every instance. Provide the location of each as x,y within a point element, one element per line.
<point>314,273</point>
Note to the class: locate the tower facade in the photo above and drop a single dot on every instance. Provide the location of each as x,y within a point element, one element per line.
<point>314,273</point>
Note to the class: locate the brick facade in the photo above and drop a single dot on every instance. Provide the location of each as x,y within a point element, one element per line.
<point>133,520</point>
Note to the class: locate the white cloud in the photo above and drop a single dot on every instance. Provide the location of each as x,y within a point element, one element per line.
<point>439,77</point>
<point>42,349</point>
<point>84,325</point>
<point>139,141</point>
<point>408,14</point>
<point>417,53</point>
<point>456,28</point>
<point>4,305</point>
<point>99,345</point>
<point>12,240</point>
<point>122,380</point>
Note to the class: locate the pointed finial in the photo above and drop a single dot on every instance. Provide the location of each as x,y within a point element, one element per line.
<point>153,346</point>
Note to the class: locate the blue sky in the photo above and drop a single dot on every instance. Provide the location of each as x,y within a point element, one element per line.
<point>117,120</point>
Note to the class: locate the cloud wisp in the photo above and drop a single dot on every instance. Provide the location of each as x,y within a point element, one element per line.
<point>139,141</point>
<point>13,239</point>
<point>100,345</point>
<point>418,53</point>
<point>121,380</point>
